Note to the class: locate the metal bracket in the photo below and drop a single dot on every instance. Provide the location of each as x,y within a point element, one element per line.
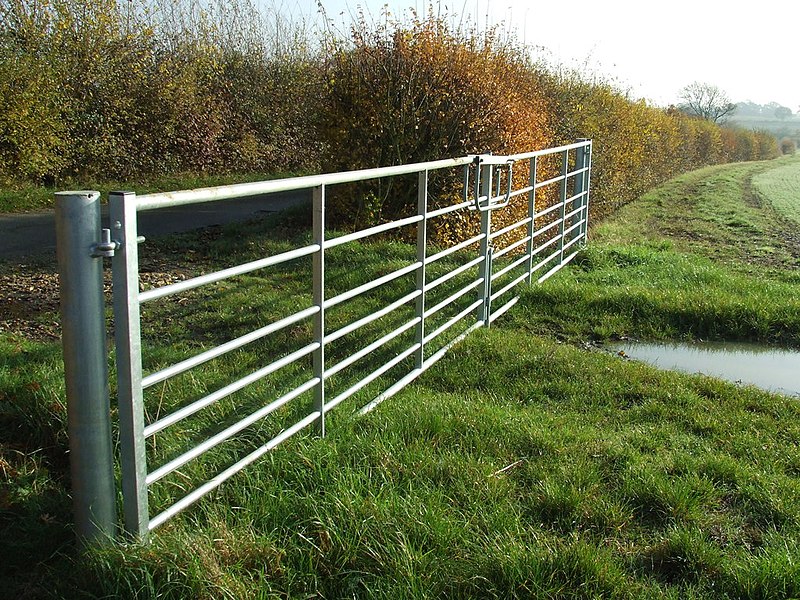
<point>484,165</point>
<point>106,247</point>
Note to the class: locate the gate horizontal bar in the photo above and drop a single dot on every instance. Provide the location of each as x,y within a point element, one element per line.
<point>509,267</point>
<point>213,353</point>
<point>196,282</point>
<point>504,309</point>
<point>545,229</point>
<point>449,300</point>
<point>511,248</point>
<point>357,235</point>
<point>357,291</point>
<point>192,408</point>
<point>558,267</point>
<point>547,260</point>
<point>355,325</point>
<point>204,489</point>
<point>371,377</point>
<point>403,382</point>
<point>448,209</point>
<point>521,191</point>
<point>545,152</point>
<point>453,249</point>
<point>548,210</point>
<point>241,190</point>
<point>434,334</point>
<point>512,227</point>
<point>508,287</point>
<point>353,358</point>
<point>454,273</point>
<point>229,432</point>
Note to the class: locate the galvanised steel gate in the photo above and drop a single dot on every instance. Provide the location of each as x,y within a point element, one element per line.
<point>428,304</point>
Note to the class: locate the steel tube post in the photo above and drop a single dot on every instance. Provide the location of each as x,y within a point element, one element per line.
<point>85,365</point>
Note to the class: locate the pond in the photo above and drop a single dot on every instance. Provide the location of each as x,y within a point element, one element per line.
<point>767,367</point>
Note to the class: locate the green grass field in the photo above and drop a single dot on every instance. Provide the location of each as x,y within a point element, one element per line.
<point>528,463</point>
<point>781,187</point>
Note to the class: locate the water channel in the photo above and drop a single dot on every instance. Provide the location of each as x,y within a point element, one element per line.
<point>767,367</point>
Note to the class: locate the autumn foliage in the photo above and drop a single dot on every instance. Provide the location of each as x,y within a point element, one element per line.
<point>101,89</point>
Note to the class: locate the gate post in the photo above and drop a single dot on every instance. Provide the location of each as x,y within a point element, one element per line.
<point>80,269</point>
<point>128,338</point>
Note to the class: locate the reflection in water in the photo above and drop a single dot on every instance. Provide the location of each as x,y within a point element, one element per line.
<point>773,369</point>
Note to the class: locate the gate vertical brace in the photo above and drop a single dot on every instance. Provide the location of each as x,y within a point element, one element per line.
<point>128,339</point>
<point>85,365</point>
<point>485,267</point>
<point>584,161</point>
<point>563,200</point>
<point>577,192</point>
<point>532,216</point>
<point>422,244</point>
<point>318,292</point>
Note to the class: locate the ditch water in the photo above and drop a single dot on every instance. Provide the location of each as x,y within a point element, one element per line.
<point>773,369</point>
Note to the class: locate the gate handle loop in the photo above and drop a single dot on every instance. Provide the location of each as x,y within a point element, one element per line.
<point>487,203</point>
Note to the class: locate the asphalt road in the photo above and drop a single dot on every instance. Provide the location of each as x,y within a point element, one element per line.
<point>34,234</point>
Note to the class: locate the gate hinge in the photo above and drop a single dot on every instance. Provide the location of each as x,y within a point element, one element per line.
<point>106,246</point>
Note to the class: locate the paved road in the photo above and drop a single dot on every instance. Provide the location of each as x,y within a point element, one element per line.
<point>24,235</point>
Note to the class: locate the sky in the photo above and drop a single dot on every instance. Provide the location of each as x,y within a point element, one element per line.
<point>751,51</point>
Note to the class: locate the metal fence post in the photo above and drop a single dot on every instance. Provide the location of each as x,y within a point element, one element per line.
<point>80,270</point>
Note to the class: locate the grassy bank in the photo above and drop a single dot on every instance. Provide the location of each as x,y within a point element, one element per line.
<point>525,464</point>
<point>707,256</point>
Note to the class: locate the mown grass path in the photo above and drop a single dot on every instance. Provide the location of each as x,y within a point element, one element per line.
<point>528,463</point>
<point>781,187</point>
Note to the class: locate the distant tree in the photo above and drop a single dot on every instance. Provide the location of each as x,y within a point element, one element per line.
<point>748,109</point>
<point>706,101</point>
<point>783,112</point>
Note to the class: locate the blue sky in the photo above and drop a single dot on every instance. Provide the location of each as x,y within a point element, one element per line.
<point>651,49</point>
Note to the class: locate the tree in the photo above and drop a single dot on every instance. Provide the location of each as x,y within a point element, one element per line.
<point>706,101</point>
<point>783,112</point>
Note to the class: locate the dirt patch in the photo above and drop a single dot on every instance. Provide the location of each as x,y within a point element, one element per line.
<point>30,298</point>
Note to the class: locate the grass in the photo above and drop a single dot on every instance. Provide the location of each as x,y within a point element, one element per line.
<point>781,187</point>
<point>525,464</point>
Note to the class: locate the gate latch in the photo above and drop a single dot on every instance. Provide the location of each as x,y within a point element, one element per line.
<point>485,167</point>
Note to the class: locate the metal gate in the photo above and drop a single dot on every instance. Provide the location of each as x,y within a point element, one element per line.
<point>450,290</point>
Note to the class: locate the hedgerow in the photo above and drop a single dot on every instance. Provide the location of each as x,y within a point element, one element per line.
<point>103,89</point>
